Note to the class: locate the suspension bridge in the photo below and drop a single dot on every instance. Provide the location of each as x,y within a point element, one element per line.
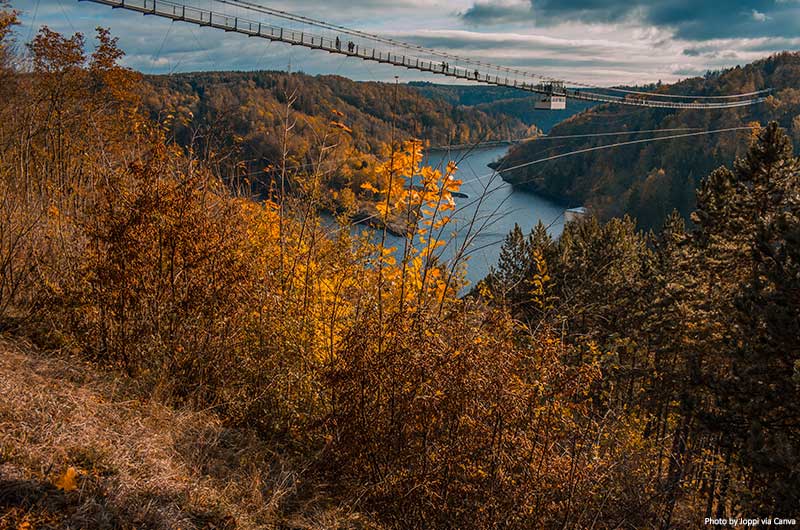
<point>331,38</point>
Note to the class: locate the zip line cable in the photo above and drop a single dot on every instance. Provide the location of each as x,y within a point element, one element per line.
<point>617,144</point>
<point>33,21</point>
<point>571,153</point>
<point>492,174</point>
<point>157,56</point>
<point>580,151</point>
<point>524,140</point>
<point>615,133</point>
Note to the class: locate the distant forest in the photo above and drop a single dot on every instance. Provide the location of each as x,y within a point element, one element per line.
<point>251,106</point>
<point>648,181</point>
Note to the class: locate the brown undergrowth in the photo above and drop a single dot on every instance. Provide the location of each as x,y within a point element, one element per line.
<point>278,372</point>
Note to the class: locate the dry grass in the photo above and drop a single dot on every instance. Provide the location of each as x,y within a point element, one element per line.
<point>140,464</point>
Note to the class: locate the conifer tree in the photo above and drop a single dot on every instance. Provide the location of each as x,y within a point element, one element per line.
<point>744,303</point>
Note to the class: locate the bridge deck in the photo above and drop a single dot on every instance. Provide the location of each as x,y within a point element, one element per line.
<point>205,17</point>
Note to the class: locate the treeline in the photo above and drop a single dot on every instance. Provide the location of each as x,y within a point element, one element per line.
<point>699,332</point>
<point>649,180</point>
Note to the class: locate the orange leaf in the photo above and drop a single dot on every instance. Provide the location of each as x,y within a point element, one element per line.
<point>68,481</point>
<point>369,187</point>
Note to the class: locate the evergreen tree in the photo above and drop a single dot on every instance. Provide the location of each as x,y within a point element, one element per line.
<point>759,394</point>
<point>740,304</point>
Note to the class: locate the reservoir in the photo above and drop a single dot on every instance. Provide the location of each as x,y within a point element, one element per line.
<point>494,215</point>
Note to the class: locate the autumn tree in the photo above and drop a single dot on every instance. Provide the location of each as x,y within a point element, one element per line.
<point>8,19</point>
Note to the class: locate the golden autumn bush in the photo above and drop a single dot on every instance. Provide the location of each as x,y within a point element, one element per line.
<point>486,432</point>
<point>429,410</point>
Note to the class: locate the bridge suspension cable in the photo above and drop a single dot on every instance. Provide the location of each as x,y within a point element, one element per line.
<point>466,60</point>
<point>482,73</point>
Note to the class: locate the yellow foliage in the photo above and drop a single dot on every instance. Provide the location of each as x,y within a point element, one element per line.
<point>755,131</point>
<point>369,187</point>
<point>319,337</point>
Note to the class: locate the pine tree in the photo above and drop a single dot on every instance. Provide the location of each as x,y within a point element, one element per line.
<point>512,263</point>
<point>763,398</point>
<point>747,244</point>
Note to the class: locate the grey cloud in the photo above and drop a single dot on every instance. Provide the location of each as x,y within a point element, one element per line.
<point>690,19</point>
<point>158,46</point>
<point>495,13</point>
<point>499,43</point>
<point>730,49</point>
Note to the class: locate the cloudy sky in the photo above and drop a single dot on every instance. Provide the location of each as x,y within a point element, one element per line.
<point>596,41</point>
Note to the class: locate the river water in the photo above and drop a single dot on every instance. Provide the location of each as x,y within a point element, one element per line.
<point>495,215</point>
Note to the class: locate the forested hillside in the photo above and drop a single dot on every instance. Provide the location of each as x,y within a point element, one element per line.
<point>239,119</point>
<point>468,95</point>
<point>251,107</point>
<point>257,126</point>
<point>696,330</point>
<point>650,180</point>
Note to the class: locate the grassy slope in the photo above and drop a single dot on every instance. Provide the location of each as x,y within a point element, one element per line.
<point>140,464</point>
